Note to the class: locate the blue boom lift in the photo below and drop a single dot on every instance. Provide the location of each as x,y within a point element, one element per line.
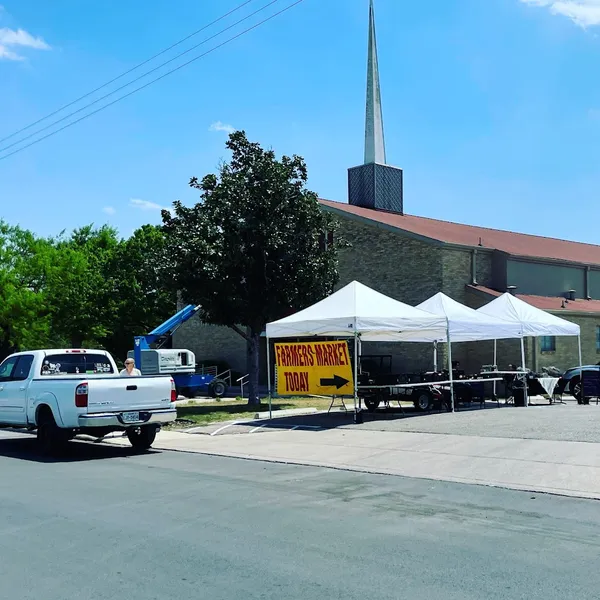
<point>190,381</point>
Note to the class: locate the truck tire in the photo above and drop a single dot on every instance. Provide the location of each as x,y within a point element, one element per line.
<point>142,438</point>
<point>50,437</point>
<point>423,402</point>
<point>218,388</point>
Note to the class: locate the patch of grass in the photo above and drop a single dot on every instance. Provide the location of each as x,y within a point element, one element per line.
<point>214,412</point>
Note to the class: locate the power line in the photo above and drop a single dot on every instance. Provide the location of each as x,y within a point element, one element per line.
<point>191,35</point>
<point>75,112</point>
<point>229,40</point>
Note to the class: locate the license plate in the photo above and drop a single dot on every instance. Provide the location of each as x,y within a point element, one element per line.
<point>131,417</point>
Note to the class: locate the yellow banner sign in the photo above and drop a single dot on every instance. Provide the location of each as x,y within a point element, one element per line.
<point>314,368</point>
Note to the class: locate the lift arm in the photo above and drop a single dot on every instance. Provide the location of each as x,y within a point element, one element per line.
<point>167,329</point>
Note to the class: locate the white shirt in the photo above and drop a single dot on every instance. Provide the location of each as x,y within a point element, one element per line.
<point>134,373</point>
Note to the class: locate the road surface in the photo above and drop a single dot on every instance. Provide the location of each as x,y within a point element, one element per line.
<point>105,524</point>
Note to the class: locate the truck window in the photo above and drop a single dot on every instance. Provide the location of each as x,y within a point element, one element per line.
<point>7,368</point>
<point>22,368</point>
<point>76,364</point>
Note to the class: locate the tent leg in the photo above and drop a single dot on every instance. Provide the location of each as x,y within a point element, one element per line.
<point>357,415</point>
<point>526,395</point>
<point>269,379</point>
<point>435,357</point>
<point>580,365</point>
<point>495,362</point>
<point>450,370</point>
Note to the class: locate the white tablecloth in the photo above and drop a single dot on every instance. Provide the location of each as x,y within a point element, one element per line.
<point>549,384</point>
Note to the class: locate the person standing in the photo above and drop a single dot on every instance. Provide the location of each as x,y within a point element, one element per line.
<point>130,370</point>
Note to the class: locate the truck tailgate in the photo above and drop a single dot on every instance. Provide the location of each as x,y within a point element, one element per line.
<point>128,394</point>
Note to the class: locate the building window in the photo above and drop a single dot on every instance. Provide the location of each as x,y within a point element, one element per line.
<point>548,343</point>
<point>598,338</point>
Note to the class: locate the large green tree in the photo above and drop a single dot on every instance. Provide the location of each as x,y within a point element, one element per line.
<point>254,248</point>
<point>87,288</point>
<point>24,314</point>
<point>80,286</point>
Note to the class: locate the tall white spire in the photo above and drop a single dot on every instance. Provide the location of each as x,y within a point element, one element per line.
<point>374,138</point>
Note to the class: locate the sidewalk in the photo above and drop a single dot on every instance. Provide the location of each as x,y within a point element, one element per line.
<point>557,467</point>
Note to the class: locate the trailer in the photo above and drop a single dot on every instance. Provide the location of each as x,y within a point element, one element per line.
<point>191,379</point>
<point>427,391</point>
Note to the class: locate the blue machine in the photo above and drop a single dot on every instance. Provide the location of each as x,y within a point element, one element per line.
<point>150,358</point>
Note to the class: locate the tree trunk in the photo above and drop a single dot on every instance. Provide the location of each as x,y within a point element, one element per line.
<point>253,366</point>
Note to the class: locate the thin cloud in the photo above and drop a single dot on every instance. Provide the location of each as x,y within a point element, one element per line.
<point>585,13</point>
<point>13,39</point>
<point>109,210</point>
<point>148,206</point>
<point>218,126</point>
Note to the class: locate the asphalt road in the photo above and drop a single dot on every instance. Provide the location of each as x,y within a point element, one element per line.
<point>105,524</point>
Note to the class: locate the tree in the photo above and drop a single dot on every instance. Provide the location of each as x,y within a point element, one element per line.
<point>143,299</point>
<point>254,248</point>
<point>80,286</point>
<point>24,317</point>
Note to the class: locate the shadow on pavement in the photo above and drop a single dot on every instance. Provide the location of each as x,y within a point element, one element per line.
<point>344,419</point>
<point>26,448</point>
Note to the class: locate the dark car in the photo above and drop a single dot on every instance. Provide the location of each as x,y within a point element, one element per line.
<point>570,382</point>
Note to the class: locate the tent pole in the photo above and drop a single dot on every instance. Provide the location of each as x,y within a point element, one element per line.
<point>580,365</point>
<point>269,379</point>
<point>526,398</point>
<point>435,357</point>
<point>495,362</point>
<point>450,368</point>
<point>355,374</point>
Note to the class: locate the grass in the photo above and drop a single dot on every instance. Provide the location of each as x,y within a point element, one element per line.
<point>206,413</point>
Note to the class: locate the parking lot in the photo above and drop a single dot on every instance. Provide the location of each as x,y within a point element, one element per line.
<point>558,422</point>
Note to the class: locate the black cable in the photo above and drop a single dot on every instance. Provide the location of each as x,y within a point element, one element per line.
<point>231,39</point>
<point>127,72</point>
<point>75,112</point>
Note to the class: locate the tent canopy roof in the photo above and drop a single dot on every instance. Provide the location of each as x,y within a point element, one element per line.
<point>468,325</point>
<point>535,322</point>
<point>358,308</point>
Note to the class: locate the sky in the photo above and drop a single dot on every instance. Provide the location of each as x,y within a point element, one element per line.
<point>492,108</point>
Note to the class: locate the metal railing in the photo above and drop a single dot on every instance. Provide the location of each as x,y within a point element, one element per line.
<point>243,380</point>
<point>225,376</point>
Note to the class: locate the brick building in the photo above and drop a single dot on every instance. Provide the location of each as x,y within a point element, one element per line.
<point>411,258</point>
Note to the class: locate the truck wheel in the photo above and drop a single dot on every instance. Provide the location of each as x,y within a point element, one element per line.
<point>372,404</point>
<point>218,388</point>
<point>423,402</point>
<point>50,437</point>
<point>142,438</point>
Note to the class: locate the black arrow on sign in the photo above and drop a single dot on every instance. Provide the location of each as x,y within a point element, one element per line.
<point>335,381</point>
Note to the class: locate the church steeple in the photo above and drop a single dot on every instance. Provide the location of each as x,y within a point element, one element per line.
<point>374,136</point>
<point>375,184</point>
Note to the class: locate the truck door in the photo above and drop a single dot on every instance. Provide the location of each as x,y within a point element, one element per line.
<point>14,372</point>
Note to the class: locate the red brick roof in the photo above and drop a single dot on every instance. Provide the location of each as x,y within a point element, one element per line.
<point>549,303</point>
<point>517,244</point>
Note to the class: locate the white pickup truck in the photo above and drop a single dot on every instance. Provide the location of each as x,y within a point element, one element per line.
<point>62,393</point>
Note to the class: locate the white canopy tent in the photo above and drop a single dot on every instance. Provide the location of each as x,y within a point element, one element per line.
<point>359,309</point>
<point>533,321</point>
<point>360,312</point>
<point>466,324</point>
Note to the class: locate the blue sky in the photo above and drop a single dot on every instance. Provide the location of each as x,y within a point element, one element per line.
<point>491,107</point>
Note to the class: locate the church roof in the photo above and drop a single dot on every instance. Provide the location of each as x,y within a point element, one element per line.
<point>516,244</point>
<point>554,304</point>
